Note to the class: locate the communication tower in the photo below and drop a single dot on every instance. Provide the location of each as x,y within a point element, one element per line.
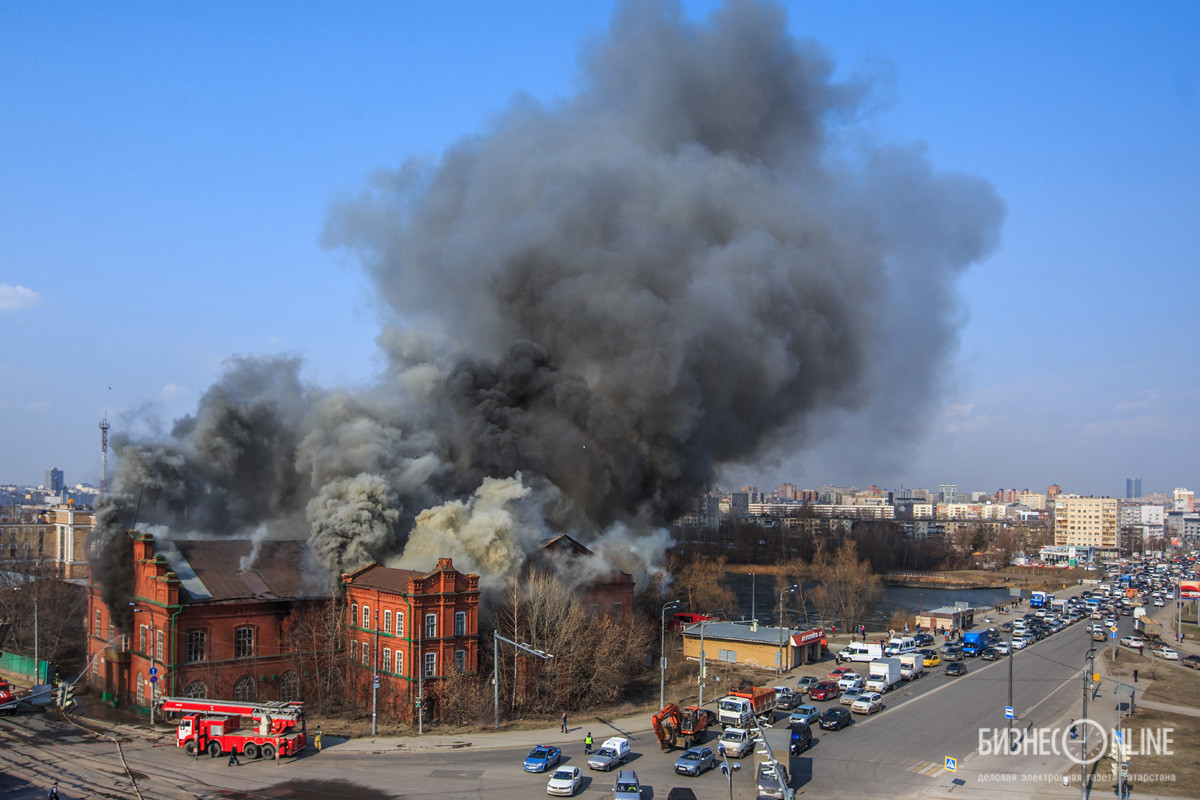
<point>104,453</point>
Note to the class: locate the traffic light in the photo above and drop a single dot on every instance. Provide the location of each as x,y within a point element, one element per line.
<point>66,697</point>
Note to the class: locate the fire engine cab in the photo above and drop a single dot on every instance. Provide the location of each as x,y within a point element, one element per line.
<point>257,730</point>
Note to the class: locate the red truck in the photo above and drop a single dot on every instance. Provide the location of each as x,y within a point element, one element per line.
<point>272,729</point>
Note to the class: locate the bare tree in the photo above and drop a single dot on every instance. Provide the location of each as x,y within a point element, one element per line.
<point>313,634</point>
<point>700,583</point>
<point>848,588</point>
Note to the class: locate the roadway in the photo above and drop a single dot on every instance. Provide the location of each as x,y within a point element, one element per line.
<point>899,752</point>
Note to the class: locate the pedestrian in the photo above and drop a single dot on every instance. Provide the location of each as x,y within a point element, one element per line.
<point>1135,676</point>
<point>233,759</point>
<point>317,740</point>
<point>587,744</point>
<point>1139,649</point>
<point>564,722</point>
<point>53,793</point>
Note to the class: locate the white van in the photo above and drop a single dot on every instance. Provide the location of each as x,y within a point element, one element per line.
<point>860,651</point>
<point>900,644</point>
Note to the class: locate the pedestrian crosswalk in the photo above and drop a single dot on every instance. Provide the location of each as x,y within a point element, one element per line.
<point>923,767</point>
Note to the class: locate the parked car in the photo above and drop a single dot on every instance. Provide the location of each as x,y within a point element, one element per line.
<point>825,690</point>
<point>849,695</point>
<point>955,669</point>
<point>627,786</point>
<point>695,760</point>
<point>923,640</point>
<point>611,754</point>
<point>1162,651</point>
<point>803,715</point>
<point>801,740</point>
<point>565,781</point>
<point>834,719</point>
<point>868,703</point>
<point>1190,661</point>
<point>542,758</point>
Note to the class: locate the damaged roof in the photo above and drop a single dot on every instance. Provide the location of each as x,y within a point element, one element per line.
<point>224,570</point>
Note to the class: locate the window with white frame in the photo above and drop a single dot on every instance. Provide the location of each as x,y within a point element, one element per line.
<point>96,624</point>
<point>387,659</point>
<point>366,654</point>
<point>353,650</point>
<point>460,660</point>
<point>158,645</point>
<point>399,623</point>
<point>366,618</point>
<point>460,623</point>
<point>142,638</point>
<point>430,665</point>
<point>387,621</point>
<point>399,662</point>
<point>431,626</point>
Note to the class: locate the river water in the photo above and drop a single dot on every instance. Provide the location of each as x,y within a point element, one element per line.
<point>759,596</point>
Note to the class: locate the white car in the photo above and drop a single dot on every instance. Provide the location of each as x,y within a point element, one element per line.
<point>850,680</point>
<point>867,703</point>
<point>1166,652</point>
<point>611,754</point>
<point>1132,641</point>
<point>1002,647</point>
<point>1019,643</point>
<point>565,781</point>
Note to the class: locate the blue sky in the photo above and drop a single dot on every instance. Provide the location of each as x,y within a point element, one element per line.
<point>167,170</point>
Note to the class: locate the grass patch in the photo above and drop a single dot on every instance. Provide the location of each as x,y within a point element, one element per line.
<point>1159,767</point>
<point>1169,682</point>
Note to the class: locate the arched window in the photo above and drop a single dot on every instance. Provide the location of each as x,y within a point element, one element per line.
<point>196,689</point>
<point>289,686</point>
<point>387,621</point>
<point>366,618</point>
<point>243,689</point>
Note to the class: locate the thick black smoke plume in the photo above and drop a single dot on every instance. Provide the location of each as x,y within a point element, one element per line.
<point>597,303</point>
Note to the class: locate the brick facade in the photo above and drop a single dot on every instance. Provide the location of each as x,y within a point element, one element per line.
<point>408,628</point>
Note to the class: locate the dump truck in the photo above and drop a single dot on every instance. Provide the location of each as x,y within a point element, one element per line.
<point>741,706</point>
<point>672,724</point>
<point>256,730</point>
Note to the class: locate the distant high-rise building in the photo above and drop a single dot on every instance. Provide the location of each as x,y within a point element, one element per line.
<point>54,480</point>
<point>1086,522</point>
<point>947,492</point>
<point>1053,491</point>
<point>1184,499</point>
<point>1133,488</point>
<point>786,491</point>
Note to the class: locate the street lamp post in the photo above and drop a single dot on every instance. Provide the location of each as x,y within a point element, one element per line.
<point>153,682</point>
<point>791,588</point>
<point>1089,662</point>
<point>662,652</point>
<point>753,615</point>
<point>375,672</point>
<point>496,640</point>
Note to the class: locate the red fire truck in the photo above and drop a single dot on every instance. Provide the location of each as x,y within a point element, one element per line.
<point>272,729</point>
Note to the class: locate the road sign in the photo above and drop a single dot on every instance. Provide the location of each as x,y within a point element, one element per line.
<point>951,764</point>
<point>376,681</point>
<point>154,670</point>
<point>1112,628</point>
<point>1008,712</point>
<point>154,679</point>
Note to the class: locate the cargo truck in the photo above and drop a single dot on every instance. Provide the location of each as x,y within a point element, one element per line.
<point>975,642</point>
<point>884,675</point>
<point>911,666</point>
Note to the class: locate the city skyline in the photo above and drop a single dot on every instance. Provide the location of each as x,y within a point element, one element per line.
<point>170,178</point>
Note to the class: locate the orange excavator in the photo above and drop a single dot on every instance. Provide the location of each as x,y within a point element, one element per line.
<point>671,725</point>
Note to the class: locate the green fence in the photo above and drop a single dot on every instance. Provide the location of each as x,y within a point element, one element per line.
<point>21,668</point>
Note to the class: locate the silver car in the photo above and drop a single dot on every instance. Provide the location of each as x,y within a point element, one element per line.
<point>695,760</point>
<point>627,786</point>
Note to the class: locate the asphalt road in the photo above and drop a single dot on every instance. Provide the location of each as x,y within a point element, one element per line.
<point>899,752</point>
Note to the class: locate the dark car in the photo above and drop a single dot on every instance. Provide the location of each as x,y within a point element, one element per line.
<point>1006,627</point>
<point>789,701</point>
<point>806,683</point>
<point>923,640</point>
<point>825,690</point>
<point>956,668</point>
<point>801,740</point>
<point>952,654</point>
<point>989,654</point>
<point>834,719</point>
<point>681,793</point>
<point>1190,661</point>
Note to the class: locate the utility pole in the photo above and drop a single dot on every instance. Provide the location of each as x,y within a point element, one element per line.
<point>1089,665</point>
<point>792,588</point>
<point>375,670</point>
<point>662,653</point>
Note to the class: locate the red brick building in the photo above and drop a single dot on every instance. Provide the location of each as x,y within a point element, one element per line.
<point>408,628</point>
<point>611,594</point>
<point>209,617</point>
